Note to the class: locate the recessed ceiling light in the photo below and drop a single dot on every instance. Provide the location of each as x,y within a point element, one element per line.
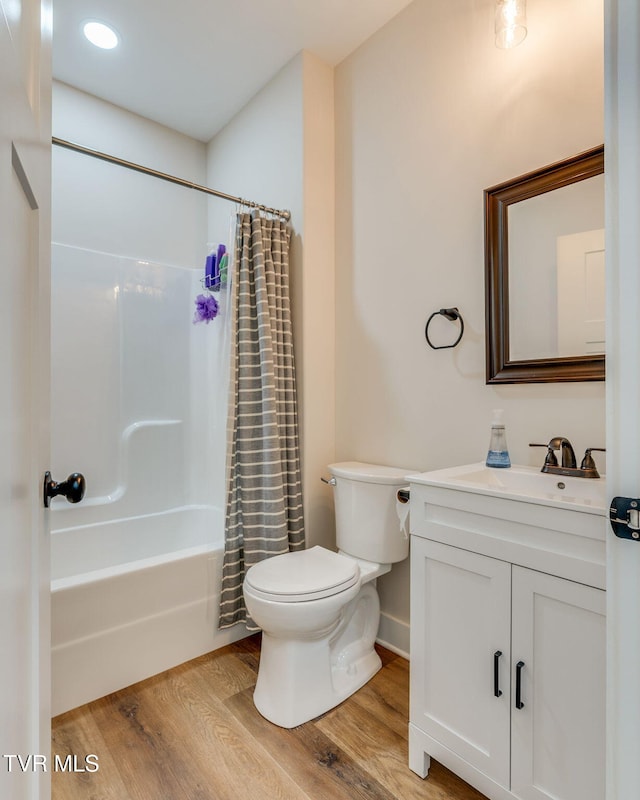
<point>101,35</point>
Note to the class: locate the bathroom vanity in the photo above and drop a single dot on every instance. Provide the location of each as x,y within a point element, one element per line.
<point>508,631</point>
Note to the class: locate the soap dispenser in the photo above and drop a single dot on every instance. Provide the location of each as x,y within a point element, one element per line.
<point>498,455</point>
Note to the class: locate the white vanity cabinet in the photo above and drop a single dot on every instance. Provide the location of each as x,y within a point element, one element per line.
<point>460,618</point>
<point>507,658</point>
<point>558,732</point>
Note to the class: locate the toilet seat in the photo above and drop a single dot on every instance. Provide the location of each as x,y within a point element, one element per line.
<point>302,576</point>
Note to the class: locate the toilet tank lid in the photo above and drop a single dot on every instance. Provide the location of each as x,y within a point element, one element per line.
<point>369,473</point>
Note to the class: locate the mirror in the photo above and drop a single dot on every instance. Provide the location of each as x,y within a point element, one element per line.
<point>544,274</point>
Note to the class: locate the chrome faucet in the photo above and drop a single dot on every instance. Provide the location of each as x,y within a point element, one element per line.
<point>568,466</point>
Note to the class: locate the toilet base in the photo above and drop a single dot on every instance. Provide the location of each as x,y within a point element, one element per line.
<point>300,679</point>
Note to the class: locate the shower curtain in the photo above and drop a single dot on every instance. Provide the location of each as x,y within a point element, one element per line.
<point>264,514</point>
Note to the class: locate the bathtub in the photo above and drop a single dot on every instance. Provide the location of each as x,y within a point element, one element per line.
<point>131,598</point>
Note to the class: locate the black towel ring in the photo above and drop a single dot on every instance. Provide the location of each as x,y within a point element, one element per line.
<point>451,314</point>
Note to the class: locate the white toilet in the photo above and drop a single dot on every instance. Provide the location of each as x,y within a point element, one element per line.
<point>319,610</point>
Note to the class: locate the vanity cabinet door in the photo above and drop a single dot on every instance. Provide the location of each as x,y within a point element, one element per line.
<point>558,736</point>
<point>460,620</point>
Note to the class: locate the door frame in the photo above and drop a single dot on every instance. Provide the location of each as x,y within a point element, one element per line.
<point>622,192</point>
<point>26,153</point>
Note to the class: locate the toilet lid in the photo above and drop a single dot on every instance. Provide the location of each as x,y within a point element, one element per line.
<point>304,575</point>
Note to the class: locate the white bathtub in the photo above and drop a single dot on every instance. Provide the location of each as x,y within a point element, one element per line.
<point>131,598</point>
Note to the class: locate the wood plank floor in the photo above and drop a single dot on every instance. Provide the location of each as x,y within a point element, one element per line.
<point>192,733</point>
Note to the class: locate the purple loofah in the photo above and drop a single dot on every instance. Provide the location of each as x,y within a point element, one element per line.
<point>206,308</point>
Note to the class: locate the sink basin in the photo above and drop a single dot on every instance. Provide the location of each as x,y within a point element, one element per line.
<point>526,484</point>
<point>549,523</point>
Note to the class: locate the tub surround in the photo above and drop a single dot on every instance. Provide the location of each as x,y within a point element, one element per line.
<point>136,566</point>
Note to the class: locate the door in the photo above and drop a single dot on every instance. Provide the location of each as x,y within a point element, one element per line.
<point>460,631</point>
<point>558,715</point>
<point>622,179</point>
<point>581,293</point>
<point>24,386</point>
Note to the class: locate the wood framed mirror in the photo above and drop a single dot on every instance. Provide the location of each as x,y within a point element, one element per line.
<point>544,274</point>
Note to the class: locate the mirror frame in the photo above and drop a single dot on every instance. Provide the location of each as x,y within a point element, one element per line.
<point>497,199</point>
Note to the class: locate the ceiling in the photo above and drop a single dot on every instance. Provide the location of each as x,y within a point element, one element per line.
<point>193,64</point>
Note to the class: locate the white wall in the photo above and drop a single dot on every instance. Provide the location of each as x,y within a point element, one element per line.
<point>114,210</point>
<point>258,155</point>
<point>428,114</point>
<point>278,151</point>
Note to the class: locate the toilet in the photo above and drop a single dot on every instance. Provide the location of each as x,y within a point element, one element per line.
<point>319,610</point>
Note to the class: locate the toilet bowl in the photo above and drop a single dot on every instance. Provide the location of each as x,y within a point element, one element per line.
<point>319,610</point>
<point>317,645</point>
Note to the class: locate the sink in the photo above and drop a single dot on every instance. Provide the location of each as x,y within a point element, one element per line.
<point>526,484</point>
<point>549,523</point>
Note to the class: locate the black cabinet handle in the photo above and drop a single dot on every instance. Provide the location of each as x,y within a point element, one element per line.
<point>519,667</point>
<point>496,676</point>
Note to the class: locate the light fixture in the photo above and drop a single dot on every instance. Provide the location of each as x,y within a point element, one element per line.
<point>100,35</point>
<point>511,23</point>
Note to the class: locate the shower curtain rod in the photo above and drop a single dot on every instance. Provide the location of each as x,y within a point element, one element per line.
<point>286,215</point>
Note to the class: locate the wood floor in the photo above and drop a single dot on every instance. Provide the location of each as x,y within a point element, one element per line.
<point>192,733</point>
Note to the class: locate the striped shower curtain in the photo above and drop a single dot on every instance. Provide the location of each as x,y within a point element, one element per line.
<point>264,515</point>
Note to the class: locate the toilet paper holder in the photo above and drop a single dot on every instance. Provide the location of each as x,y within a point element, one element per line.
<point>403,496</point>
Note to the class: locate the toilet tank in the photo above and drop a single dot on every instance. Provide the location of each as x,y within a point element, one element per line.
<point>367,521</point>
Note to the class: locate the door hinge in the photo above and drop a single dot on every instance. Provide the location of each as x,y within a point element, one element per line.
<point>625,517</point>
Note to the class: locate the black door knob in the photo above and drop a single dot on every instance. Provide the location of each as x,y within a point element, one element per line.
<point>73,488</point>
